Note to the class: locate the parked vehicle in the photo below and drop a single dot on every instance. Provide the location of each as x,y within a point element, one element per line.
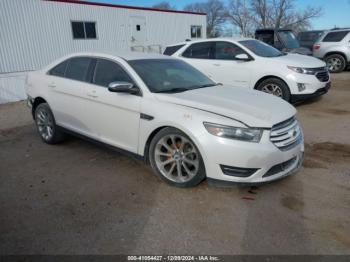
<point>284,40</point>
<point>307,39</point>
<point>252,64</point>
<point>334,48</point>
<point>164,110</point>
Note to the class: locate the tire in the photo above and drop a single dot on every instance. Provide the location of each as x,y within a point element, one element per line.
<point>276,87</point>
<point>335,63</point>
<point>46,125</point>
<point>176,149</point>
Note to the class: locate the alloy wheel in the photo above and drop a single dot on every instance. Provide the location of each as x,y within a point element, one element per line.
<point>45,124</point>
<point>272,89</point>
<point>176,158</point>
<point>334,64</point>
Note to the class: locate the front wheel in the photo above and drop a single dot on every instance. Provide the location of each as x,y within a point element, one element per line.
<point>176,159</point>
<point>276,87</point>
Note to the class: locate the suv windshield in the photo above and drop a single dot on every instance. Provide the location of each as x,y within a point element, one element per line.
<point>289,39</point>
<point>261,49</point>
<point>169,75</point>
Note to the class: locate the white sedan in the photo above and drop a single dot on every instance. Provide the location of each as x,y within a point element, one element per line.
<point>162,109</point>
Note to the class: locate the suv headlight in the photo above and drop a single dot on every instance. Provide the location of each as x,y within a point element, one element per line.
<point>302,70</point>
<point>238,133</point>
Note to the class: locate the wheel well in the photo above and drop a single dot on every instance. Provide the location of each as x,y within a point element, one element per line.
<point>335,53</point>
<point>267,77</point>
<point>37,101</point>
<point>148,142</point>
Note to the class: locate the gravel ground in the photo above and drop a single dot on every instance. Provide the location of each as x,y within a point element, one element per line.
<point>78,198</point>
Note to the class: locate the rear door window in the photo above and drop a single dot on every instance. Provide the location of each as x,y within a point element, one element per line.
<point>77,68</point>
<point>107,72</point>
<point>335,36</point>
<point>200,50</point>
<point>59,69</point>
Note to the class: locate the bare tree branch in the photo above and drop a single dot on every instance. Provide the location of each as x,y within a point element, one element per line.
<point>164,5</point>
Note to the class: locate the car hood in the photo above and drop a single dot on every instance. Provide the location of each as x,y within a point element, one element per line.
<point>298,60</point>
<point>301,50</point>
<point>253,108</point>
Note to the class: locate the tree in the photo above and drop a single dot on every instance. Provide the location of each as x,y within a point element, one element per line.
<point>215,11</point>
<point>164,5</point>
<point>239,14</point>
<point>282,13</point>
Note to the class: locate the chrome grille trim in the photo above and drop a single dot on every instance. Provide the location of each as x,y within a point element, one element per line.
<point>286,135</point>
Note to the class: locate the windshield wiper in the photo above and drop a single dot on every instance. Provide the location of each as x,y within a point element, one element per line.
<point>173,90</point>
<point>206,85</point>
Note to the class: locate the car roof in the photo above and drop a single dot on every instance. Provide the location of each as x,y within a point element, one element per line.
<point>126,55</point>
<point>233,39</point>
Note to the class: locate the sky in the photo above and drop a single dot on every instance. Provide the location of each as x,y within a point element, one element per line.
<point>335,12</point>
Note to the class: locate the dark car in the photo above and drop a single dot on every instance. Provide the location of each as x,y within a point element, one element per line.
<point>307,39</point>
<point>284,40</point>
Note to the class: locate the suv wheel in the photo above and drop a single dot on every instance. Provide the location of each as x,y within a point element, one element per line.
<point>46,125</point>
<point>335,63</point>
<point>276,87</point>
<point>175,158</point>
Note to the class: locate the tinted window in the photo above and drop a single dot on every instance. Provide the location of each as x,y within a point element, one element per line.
<point>260,48</point>
<point>199,50</point>
<point>227,51</point>
<point>84,30</point>
<point>90,30</point>
<point>267,37</point>
<point>309,36</point>
<point>172,49</point>
<point>164,75</point>
<point>107,72</point>
<point>59,70</point>
<point>289,39</point>
<point>78,30</point>
<point>335,36</point>
<point>77,68</point>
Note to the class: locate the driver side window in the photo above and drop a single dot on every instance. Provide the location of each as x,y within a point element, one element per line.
<point>227,51</point>
<point>107,72</point>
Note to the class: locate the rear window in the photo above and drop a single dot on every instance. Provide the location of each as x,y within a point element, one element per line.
<point>200,50</point>
<point>335,36</point>
<point>309,36</point>
<point>172,49</point>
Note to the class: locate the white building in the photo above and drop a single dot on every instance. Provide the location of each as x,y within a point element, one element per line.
<point>33,33</point>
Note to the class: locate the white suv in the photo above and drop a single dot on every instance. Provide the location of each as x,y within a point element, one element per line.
<point>334,48</point>
<point>250,63</point>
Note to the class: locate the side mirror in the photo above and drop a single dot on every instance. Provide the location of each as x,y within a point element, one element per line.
<point>123,87</point>
<point>243,57</point>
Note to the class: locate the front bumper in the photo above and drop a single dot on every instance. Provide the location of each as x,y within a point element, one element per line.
<point>268,161</point>
<point>317,93</point>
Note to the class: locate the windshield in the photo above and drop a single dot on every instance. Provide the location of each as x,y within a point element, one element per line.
<point>289,39</point>
<point>169,75</point>
<point>261,49</point>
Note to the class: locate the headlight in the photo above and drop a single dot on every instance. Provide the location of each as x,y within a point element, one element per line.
<point>238,133</point>
<point>302,70</point>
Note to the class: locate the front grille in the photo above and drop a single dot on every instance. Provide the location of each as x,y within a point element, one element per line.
<point>280,167</point>
<point>286,135</point>
<point>323,76</point>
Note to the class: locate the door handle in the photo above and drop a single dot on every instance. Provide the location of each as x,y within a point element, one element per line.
<point>92,95</point>
<point>52,85</point>
<point>216,64</point>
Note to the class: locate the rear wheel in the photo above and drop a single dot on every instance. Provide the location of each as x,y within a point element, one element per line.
<point>335,63</point>
<point>175,158</point>
<point>276,87</point>
<point>46,125</point>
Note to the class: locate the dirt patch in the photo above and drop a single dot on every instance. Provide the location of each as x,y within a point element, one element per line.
<point>335,111</point>
<point>292,203</point>
<point>318,154</point>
